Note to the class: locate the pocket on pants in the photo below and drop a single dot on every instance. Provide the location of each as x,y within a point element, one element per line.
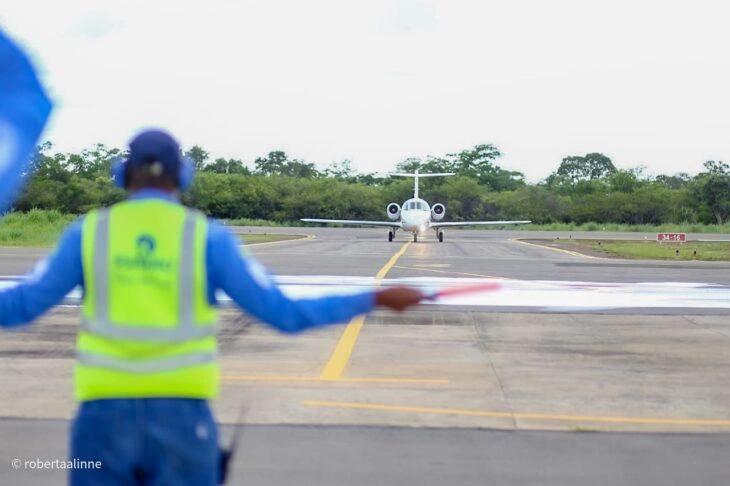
<point>186,439</point>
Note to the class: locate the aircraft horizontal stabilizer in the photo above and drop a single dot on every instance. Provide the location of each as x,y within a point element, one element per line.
<point>399,174</point>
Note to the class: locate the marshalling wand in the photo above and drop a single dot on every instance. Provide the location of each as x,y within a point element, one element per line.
<point>464,290</point>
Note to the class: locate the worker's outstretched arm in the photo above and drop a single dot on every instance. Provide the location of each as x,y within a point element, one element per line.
<point>24,109</point>
<point>251,288</point>
<point>47,285</point>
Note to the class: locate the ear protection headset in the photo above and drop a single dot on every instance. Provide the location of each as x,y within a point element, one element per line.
<point>121,168</point>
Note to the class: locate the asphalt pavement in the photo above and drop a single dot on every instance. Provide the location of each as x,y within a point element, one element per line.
<point>383,456</point>
<point>436,395</point>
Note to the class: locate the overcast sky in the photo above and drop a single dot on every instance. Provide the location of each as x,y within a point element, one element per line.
<point>375,81</point>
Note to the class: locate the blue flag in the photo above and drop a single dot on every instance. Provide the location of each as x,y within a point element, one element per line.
<point>24,110</point>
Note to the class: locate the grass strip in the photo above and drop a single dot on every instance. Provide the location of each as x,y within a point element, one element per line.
<point>34,228</point>
<point>646,249</point>
<point>256,238</point>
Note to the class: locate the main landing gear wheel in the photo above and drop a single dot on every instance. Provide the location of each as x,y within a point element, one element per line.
<point>390,236</point>
<point>441,236</point>
<point>415,238</point>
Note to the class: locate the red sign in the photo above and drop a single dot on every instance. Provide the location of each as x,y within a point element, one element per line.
<point>679,237</point>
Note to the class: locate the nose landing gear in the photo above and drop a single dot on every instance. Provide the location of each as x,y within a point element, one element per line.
<point>441,236</point>
<point>390,236</point>
<point>415,237</point>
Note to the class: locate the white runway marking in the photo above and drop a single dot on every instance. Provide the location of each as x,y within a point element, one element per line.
<point>563,296</point>
<point>550,296</point>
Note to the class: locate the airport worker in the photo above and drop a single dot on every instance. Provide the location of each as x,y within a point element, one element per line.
<point>146,350</point>
<point>24,109</point>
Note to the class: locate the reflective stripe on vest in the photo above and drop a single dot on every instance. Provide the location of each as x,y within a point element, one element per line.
<point>102,325</point>
<point>146,366</point>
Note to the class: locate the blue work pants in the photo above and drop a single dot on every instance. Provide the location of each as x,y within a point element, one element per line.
<point>147,441</point>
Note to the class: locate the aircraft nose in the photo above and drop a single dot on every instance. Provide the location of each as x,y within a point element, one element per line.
<point>420,220</point>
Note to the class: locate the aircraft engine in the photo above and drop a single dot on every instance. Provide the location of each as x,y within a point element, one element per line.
<point>438,211</point>
<point>393,211</point>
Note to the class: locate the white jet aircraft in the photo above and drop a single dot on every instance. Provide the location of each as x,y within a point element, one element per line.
<point>415,216</point>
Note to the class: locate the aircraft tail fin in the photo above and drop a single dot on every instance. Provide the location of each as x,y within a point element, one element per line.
<point>416,175</point>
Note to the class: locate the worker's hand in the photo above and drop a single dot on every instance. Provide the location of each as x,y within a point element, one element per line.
<point>398,298</point>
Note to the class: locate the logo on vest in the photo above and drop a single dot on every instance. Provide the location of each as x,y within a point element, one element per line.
<point>145,257</point>
<point>145,245</point>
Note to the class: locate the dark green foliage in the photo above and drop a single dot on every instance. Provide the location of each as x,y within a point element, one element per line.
<point>677,181</point>
<point>588,167</point>
<point>711,190</point>
<point>583,189</point>
<point>229,166</point>
<point>198,156</point>
<point>535,203</point>
<point>477,163</point>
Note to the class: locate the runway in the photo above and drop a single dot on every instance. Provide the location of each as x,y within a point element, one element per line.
<point>477,252</point>
<point>472,395</point>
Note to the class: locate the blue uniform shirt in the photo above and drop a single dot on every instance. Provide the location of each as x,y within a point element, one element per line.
<point>241,277</point>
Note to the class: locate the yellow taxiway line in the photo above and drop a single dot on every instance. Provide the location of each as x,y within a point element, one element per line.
<point>343,350</point>
<point>310,379</point>
<point>561,250</point>
<point>524,415</point>
<point>451,272</point>
<point>332,372</point>
<point>290,240</point>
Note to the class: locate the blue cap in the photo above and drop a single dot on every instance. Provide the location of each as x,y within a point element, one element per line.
<point>155,146</point>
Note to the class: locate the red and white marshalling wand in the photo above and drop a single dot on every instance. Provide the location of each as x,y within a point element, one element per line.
<point>464,290</point>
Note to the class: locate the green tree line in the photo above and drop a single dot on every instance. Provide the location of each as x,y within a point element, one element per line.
<point>280,188</point>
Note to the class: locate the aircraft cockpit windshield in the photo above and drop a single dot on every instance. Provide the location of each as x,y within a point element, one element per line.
<point>415,205</point>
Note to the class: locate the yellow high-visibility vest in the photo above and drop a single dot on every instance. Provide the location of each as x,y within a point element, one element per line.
<point>147,327</point>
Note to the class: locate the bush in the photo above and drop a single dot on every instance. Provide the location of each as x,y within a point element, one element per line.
<point>37,227</point>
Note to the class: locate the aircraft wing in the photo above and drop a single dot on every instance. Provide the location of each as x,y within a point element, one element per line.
<point>473,223</point>
<point>388,224</point>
